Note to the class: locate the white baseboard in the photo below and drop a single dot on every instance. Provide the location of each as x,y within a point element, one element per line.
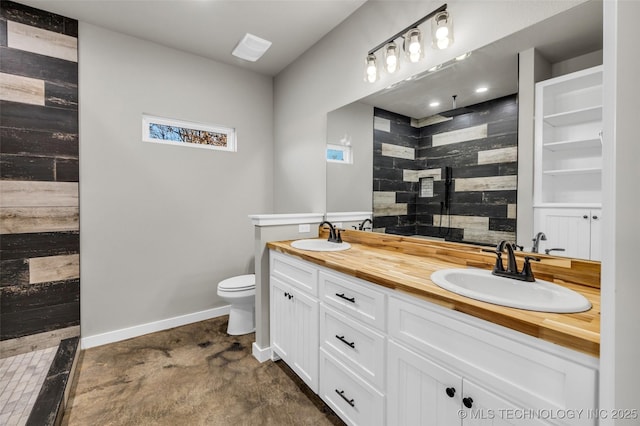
<point>151,327</point>
<point>261,355</point>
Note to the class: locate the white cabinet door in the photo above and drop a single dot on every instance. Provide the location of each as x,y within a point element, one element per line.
<point>596,239</point>
<point>420,392</point>
<point>305,341</point>
<point>294,330</point>
<point>569,229</point>
<point>281,316</point>
<point>481,407</point>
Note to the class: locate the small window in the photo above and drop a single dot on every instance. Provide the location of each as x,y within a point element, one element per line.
<point>339,154</point>
<point>186,133</point>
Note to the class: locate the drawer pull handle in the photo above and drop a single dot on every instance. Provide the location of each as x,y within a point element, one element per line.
<point>349,299</point>
<point>451,392</point>
<point>349,401</point>
<point>342,339</point>
<point>468,402</point>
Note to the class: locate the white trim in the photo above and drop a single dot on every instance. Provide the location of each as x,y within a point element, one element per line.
<point>261,355</point>
<point>285,219</point>
<point>151,327</point>
<point>348,216</point>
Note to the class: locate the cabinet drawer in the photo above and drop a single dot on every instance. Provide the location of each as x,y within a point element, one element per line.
<point>353,399</point>
<point>509,363</point>
<point>346,295</point>
<point>360,348</point>
<point>302,275</point>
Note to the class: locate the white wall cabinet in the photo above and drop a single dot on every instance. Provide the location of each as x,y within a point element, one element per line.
<point>386,357</point>
<point>576,230</point>
<point>568,161</point>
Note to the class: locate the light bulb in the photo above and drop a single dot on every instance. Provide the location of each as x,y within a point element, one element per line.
<point>442,32</point>
<point>443,43</point>
<point>391,58</point>
<point>414,45</point>
<point>371,69</point>
<point>392,64</point>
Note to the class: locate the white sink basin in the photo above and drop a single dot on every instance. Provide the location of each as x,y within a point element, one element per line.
<point>540,295</point>
<point>319,245</point>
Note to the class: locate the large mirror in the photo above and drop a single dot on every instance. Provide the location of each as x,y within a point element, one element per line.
<point>438,156</point>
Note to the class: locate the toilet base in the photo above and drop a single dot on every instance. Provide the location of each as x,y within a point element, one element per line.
<point>242,319</point>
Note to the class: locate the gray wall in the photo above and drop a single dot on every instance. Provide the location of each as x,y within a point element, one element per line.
<point>162,225</point>
<point>349,186</point>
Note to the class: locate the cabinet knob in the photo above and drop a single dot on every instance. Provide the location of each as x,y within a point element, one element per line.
<point>286,294</point>
<point>468,402</point>
<point>585,216</point>
<point>451,392</point>
<point>594,217</point>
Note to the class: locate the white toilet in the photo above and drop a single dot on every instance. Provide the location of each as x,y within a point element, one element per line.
<point>240,292</point>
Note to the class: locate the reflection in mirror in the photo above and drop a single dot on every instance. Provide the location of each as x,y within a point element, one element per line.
<point>443,154</point>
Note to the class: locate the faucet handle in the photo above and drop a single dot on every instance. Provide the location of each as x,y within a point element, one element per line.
<point>338,236</point>
<point>527,272</point>
<point>547,251</point>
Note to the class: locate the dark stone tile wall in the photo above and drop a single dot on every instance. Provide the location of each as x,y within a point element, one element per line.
<point>40,241</point>
<point>482,211</point>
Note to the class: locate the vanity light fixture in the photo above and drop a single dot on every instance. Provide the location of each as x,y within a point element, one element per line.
<point>411,42</point>
<point>442,30</point>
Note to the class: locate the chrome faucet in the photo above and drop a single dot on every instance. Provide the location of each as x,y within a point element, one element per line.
<point>536,241</point>
<point>334,233</point>
<point>512,267</point>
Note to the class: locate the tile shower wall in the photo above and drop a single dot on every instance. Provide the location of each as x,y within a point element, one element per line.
<point>39,246</point>
<point>481,149</point>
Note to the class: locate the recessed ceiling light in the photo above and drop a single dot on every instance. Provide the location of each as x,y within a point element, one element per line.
<point>434,104</point>
<point>481,89</point>
<point>251,48</point>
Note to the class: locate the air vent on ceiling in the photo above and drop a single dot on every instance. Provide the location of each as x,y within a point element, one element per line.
<point>251,48</point>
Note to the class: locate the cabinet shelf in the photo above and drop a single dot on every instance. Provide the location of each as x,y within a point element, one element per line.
<point>567,172</point>
<point>573,144</point>
<point>577,116</point>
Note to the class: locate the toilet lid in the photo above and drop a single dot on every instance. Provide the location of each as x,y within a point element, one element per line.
<point>239,283</point>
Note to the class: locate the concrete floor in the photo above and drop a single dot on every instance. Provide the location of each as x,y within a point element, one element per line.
<point>191,375</point>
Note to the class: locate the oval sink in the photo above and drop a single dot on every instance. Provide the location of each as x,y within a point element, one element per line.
<point>542,296</point>
<point>319,245</point>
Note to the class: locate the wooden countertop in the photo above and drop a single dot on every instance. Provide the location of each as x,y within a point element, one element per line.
<point>394,268</point>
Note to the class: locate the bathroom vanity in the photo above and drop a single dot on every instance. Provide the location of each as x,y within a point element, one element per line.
<point>369,332</point>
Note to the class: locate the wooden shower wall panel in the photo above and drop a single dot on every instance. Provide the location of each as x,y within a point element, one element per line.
<point>39,210</point>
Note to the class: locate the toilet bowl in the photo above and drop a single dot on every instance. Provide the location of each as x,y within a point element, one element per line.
<point>240,293</point>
